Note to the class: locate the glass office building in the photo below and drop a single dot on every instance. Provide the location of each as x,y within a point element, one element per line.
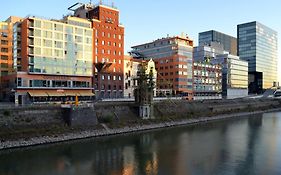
<point>53,60</point>
<point>234,76</point>
<point>257,44</point>
<point>229,42</point>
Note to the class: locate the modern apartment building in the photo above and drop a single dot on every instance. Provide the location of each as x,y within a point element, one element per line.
<point>228,42</point>
<point>207,75</point>
<point>6,55</point>
<point>173,59</point>
<point>207,80</point>
<point>131,73</point>
<point>53,59</point>
<point>234,76</point>
<point>108,48</point>
<point>257,44</point>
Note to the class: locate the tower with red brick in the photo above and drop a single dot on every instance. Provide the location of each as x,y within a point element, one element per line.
<point>108,48</point>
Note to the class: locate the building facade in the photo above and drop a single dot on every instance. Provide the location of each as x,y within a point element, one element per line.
<point>6,56</point>
<point>207,75</point>
<point>207,80</point>
<point>234,76</point>
<point>257,44</point>
<point>174,64</point>
<point>53,59</point>
<point>6,61</point>
<point>108,48</point>
<point>131,71</point>
<point>228,42</point>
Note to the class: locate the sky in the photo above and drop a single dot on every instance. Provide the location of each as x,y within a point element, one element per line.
<point>148,20</point>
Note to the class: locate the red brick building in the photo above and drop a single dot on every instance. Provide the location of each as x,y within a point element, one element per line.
<point>108,48</point>
<point>174,64</point>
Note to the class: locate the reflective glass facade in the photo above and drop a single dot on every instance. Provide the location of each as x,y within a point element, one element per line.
<point>229,42</point>
<point>257,44</point>
<point>60,48</point>
<point>234,72</point>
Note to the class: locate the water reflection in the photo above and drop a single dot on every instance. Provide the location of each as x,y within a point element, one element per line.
<point>241,146</point>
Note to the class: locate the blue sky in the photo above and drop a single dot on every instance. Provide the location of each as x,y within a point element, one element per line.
<point>147,20</point>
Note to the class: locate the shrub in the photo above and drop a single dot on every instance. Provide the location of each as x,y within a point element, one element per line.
<point>6,113</point>
<point>106,119</point>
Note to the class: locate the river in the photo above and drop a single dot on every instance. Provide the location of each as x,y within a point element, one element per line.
<point>240,146</point>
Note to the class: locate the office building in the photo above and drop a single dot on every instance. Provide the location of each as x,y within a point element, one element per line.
<point>211,60</point>
<point>173,59</point>
<point>234,76</point>
<point>257,44</point>
<point>207,80</point>
<point>53,60</point>
<point>108,48</point>
<point>207,75</point>
<point>228,42</point>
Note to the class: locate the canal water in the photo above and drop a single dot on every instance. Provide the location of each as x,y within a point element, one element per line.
<point>243,146</point>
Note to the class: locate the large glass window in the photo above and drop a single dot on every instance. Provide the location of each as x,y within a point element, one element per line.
<point>48,25</point>
<point>59,36</point>
<point>37,42</point>
<point>37,51</point>
<point>37,24</point>
<point>37,32</point>
<point>47,43</point>
<point>58,27</point>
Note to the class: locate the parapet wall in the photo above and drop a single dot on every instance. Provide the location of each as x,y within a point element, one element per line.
<point>44,117</point>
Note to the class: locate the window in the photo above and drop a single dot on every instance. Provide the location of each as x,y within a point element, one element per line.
<point>4,42</point>
<point>37,42</point>
<point>5,50</point>
<point>4,34</point>
<point>37,24</point>
<point>4,57</point>
<point>47,43</point>
<point>47,25</point>
<point>19,82</point>
<point>4,65</point>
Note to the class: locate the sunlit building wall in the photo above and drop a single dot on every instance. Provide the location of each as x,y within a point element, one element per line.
<point>53,59</point>
<point>257,44</point>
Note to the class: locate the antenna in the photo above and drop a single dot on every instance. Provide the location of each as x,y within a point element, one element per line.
<point>100,2</point>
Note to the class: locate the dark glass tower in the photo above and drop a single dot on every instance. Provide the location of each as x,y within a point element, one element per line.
<point>257,44</point>
<point>229,42</point>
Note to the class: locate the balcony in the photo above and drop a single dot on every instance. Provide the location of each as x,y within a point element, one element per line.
<point>31,42</point>
<point>31,51</point>
<point>30,34</point>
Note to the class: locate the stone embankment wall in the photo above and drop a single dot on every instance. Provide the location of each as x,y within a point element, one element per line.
<point>43,116</point>
<point>179,109</point>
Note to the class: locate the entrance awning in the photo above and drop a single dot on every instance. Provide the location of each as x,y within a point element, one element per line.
<point>37,94</point>
<point>86,94</point>
<point>72,93</point>
<point>55,94</point>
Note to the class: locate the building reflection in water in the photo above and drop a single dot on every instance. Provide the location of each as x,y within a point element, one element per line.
<point>242,146</point>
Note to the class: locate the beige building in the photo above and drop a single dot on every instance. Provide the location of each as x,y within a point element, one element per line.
<point>131,69</point>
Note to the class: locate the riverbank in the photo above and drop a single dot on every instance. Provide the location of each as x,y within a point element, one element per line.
<point>106,131</point>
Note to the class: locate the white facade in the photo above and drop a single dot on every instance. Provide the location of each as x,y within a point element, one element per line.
<point>131,69</point>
